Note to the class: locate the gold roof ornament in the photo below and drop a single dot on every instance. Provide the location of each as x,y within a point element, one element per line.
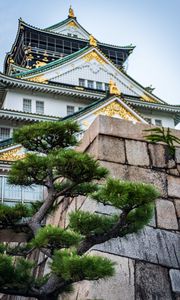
<point>71,13</point>
<point>113,89</point>
<point>10,60</point>
<point>92,41</point>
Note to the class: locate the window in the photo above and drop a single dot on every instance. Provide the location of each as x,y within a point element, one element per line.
<point>90,84</point>
<point>99,85</point>
<point>27,105</point>
<point>4,133</point>
<point>148,120</point>
<point>75,35</point>
<point>39,107</point>
<point>106,86</point>
<point>158,122</point>
<point>70,110</point>
<point>80,108</point>
<point>81,82</point>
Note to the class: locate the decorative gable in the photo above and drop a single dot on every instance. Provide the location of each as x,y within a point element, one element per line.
<point>72,29</point>
<point>13,153</point>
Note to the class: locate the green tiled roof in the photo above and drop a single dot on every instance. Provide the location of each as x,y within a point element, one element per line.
<point>52,64</point>
<point>95,105</point>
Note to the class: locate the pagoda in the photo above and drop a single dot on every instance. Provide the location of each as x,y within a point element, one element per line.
<point>63,72</point>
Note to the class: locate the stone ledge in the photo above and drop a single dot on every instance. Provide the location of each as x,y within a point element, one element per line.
<point>150,245</point>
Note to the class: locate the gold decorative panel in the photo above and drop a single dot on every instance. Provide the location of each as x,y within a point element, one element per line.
<point>148,98</point>
<point>114,109</point>
<point>92,41</point>
<point>113,89</point>
<point>93,55</point>
<point>72,24</point>
<point>38,79</point>
<point>13,154</point>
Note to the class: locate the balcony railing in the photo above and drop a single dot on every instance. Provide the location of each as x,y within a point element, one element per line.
<point>12,194</point>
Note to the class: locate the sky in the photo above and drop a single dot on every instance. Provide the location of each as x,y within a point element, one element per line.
<point>151,25</point>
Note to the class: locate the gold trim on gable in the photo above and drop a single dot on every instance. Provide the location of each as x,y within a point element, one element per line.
<point>93,55</point>
<point>116,108</point>
<point>72,24</point>
<point>38,79</point>
<point>13,154</point>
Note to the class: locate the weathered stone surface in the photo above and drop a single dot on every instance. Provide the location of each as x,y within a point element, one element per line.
<point>93,148</point>
<point>166,215</point>
<point>173,186</point>
<point>152,282</point>
<point>111,149</point>
<point>133,173</point>
<point>94,206</point>
<point>122,283</point>
<point>171,163</point>
<point>177,155</point>
<point>136,152</point>
<point>153,221</point>
<point>158,155</point>
<point>175,280</point>
<point>152,245</point>
<point>177,206</point>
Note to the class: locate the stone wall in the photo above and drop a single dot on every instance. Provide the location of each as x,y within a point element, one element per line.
<point>147,263</point>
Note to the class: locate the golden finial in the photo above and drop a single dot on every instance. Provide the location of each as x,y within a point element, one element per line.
<point>113,89</point>
<point>92,41</point>
<point>71,13</point>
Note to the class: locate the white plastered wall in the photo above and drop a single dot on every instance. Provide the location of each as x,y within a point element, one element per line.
<point>55,106</point>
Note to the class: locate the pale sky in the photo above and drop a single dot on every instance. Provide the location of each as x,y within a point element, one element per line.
<point>151,25</point>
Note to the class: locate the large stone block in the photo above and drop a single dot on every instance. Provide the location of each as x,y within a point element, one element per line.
<point>157,155</point>
<point>136,152</point>
<point>139,174</point>
<point>177,206</point>
<point>151,245</point>
<point>173,186</point>
<point>166,215</point>
<point>177,155</point>
<point>152,282</point>
<point>175,280</point>
<point>111,149</point>
<point>120,286</point>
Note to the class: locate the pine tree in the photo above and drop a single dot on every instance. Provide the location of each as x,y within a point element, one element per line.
<point>52,161</point>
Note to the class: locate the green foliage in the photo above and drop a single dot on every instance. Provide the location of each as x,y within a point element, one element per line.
<point>163,135</point>
<point>77,167</point>
<point>88,223</point>
<point>83,189</point>
<point>55,238</point>
<point>2,248</point>
<point>33,169</point>
<point>70,266</point>
<point>12,214</point>
<point>46,136</point>
<point>139,217</point>
<point>125,194</point>
<point>15,274</point>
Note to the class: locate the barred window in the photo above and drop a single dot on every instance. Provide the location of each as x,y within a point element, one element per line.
<point>90,84</point>
<point>27,105</point>
<point>70,110</point>
<point>81,82</point>
<point>4,133</point>
<point>39,107</point>
<point>158,122</point>
<point>99,85</point>
<point>106,86</point>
